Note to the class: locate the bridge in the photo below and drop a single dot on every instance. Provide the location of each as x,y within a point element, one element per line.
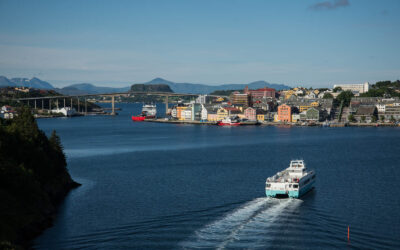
<point>113,95</point>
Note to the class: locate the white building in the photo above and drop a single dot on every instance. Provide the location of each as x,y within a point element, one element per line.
<point>360,88</point>
<point>202,99</point>
<point>381,108</point>
<point>174,113</point>
<point>187,114</point>
<point>204,113</point>
<point>67,111</point>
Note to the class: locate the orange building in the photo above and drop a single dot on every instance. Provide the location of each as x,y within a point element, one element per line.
<point>285,113</point>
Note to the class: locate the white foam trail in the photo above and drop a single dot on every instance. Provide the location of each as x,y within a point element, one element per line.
<point>242,225</point>
<point>257,232</point>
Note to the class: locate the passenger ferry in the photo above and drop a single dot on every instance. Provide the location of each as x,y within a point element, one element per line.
<point>293,182</point>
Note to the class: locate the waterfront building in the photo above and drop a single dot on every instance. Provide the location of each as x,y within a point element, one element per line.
<point>204,113</point>
<point>222,114</point>
<point>392,110</point>
<point>179,112</point>
<point>314,104</point>
<point>260,93</point>
<point>173,112</point>
<point>380,107</point>
<point>196,111</point>
<point>67,111</point>
<point>260,117</point>
<point>240,99</point>
<point>360,88</point>
<point>212,115</point>
<point>304,107</point>
<point>250,114</point>
<point>295,117</point>
<point>315,114</point>
<point>365,113</point>
<point>187,114</point>
<point>285,113</point>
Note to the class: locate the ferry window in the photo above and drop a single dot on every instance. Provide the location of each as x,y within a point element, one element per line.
<point>295,185</point>
<point>268,185</point>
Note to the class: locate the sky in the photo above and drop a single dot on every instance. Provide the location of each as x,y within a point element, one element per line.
<point>313,43</point>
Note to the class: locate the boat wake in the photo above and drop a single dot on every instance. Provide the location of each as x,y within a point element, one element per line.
<point>249,226</point>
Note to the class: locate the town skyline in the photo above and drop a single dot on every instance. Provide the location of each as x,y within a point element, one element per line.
<point>312,43</point>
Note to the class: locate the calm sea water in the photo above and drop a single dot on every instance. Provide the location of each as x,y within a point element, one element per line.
<point>167,186</point>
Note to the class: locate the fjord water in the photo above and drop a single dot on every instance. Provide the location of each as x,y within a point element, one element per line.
<point>169,186</point>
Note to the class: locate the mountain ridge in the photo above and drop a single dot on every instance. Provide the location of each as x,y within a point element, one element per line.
<point>88,88</point>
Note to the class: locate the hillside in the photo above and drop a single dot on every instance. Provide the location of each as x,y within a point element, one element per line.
<point>33,179</point>
<point>151,88</point>
<point>197,88</point>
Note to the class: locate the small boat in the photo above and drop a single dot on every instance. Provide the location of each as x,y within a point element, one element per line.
<point>293,182</point>
<point>228,122</point>
<point>149,111</point>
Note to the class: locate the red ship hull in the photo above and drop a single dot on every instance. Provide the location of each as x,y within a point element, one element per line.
<point>228,124</point>
<point>138,118</point>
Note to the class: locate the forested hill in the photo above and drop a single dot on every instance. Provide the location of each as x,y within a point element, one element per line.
<point>151,88</point>
<point>33,179</point>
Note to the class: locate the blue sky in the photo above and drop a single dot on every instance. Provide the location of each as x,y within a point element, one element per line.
<point>115,43</point>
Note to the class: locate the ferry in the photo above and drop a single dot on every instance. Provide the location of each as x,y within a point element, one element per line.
<point>228,122</point>
<point>148,111</point>
<point>292,182</point>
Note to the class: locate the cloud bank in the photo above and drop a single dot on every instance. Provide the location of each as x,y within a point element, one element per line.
<point>330,5</point>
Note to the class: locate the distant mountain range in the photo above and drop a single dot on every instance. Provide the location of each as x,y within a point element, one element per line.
<point>25,82</point>
<point>87,88</point>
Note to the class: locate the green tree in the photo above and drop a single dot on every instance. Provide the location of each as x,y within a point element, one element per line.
<point>351,118</point>
<point>374,118</point>
<point>328,96</point>
<point>337,89</point>
<point>363,119</point>
<point>392,120</point>
<point>345,96</point>
<point>382,118</point>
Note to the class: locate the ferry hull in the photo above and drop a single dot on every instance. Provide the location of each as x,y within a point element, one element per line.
<point>291,194</point>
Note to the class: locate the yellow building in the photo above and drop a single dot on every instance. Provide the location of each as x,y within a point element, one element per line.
<point>304,108</point>
<point>276,118</point>
<point>212,117</point>
<point>314,104</point>
<point>316,91</point>
<point>222,113</point>
<point>295,117</point>
<point>260,117</point>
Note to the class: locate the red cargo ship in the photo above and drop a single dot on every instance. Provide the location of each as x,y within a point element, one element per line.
<point>148,112</point>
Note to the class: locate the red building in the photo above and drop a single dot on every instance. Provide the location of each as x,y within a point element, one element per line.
<point>260,93</point>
